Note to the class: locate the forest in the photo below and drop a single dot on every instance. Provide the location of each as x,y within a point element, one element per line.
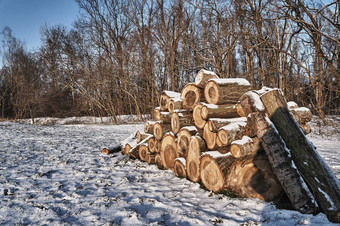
<point>120,55</point>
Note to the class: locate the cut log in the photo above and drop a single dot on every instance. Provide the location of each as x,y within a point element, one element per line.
<point>197,116</point>
<point>320,179</point>
<point>254,179</point>
<point>128,143</point>
<point>245,148</point>
<point>151,158</point>
<point>197,146</point>
<point>111,149</point>
<point>169,151</point>
<point>152,144</point>
<point>292,105</point>
<point>165,97</point>
<point>225,91</point>
<point>158,146</point>
<point>164,117</point>
<point>180,167</point>
<point>183,139</point>
<point>248,103</point>
<point>190,95</point>
<point>149,126</point>
<point>158,161</point>
<point>142,136</point>
<point>156,114</point>
<point>210,138</point>
<point>143,151</point>
<point>215,124</point>
<point>174,104</point>
<point>213,168</point>
<point>218,111</point>
<point>203,76</point>
<point>282,164</point>
<point>134,151</point>
<point>231,132</point>
<point>160,129</point>
<point>302,114</point>
<point>179,120</point>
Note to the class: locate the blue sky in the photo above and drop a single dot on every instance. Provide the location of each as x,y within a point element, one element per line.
<point>25,17</point>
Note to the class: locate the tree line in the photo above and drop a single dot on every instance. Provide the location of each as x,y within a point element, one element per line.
<point>120,54</point>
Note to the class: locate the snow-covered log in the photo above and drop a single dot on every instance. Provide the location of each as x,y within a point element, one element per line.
<point>180,167</point>
<point>232,131</point>
<point>245,148</point>
<point>179,120</point>
<point>159,129</point>
<point>203,76</point>
<point>111,149</point>
<point>183,139</point>
<point>165,97</point>
<point>174,104</point>
<point>148,126</point>
<point>215,124</point>
<point>163,116</point>
<point>218,111</point>
<point>143,151</point>
<point>190,95</point>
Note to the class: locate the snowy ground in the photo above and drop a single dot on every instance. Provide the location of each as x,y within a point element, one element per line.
<point>56,175</point>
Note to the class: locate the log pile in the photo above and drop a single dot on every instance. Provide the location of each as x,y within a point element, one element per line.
<point>229,138</point>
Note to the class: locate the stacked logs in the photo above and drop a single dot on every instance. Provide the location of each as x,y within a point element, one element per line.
<point>217,132</point>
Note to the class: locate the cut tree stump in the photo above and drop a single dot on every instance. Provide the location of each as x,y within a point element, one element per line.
<point>165,97</point>
<point>179,120</point>
<point>190,95</point>
<point>254,179</point>
<point>218,111</point>
<point>159,129</point>
<point>180,167</point>
<point>320,179</point>
<point>183,139</point>
<point>169,151</point>
<point>196,147</point>
<point>282,164</point>
<point>225,91</point>
<point>214,167</point>
<point>203,76</point>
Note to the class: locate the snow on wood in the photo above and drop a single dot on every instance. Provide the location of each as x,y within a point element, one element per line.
<point>238,81</point>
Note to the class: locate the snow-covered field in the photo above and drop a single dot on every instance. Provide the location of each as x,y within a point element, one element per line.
<point>56,175</point>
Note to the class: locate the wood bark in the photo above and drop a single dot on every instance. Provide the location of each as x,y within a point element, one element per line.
<point>183,139</point>
<point>231,132</point>
<point>165,97</point>
<point>225,91</point>
<point>213,168</point>
<point>197,116</point>
<point>174,104</point>
<point>320,179</point>
<point>169,151</point>
<point>190,95</point>
<point>180,167</point>
<point>218,111</point>
<point>179,120</point>
<point>245,148</point>
<point>203,76</point>
<point>282,164</point>
<point>196,147</point>
<point>254,179</point>
<point>215,124</point>
<point>160,129</point>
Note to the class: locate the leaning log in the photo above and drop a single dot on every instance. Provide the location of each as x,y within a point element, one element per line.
<point>179,120</point>
<point>218,111</point>
<point>160,129</point>
<point>128,143</point>
<point>180,167</point>
<point>225,91</point>
<point>196,147</point>
<point>169,151</point>
<point>203,76</point>
<point>320,179</point>
<point>183,139</point>
<point>213,168</point>
<point>165,97</point>
<point>282,164</point>
<point>190,95</point>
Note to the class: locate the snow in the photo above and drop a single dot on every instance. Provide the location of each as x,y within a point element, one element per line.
<point>238,81</point>
<point>255,98</point>
<point>216,154</point>
<point>56,175</point>
<point>230,120</point>
<point>172,94</point>
<point>182,160</point>
<point>244,140</point>
<point>292,104</point>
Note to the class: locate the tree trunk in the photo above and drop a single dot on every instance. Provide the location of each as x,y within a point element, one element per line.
<point>225,91</point>
<point>180,168</point>
<point>196,147</point>
<point>183,139</point>
<point>231,132</point>
<point>179,120</point>
<point>218,111</point>
<point>190,95</point>
<point>320,179</point>
<point>203,76</point>
<point>282,164</point>
<point>214,167</point>
<point>197,116</point>
<point>160,129</point>
<point>169,151</point>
